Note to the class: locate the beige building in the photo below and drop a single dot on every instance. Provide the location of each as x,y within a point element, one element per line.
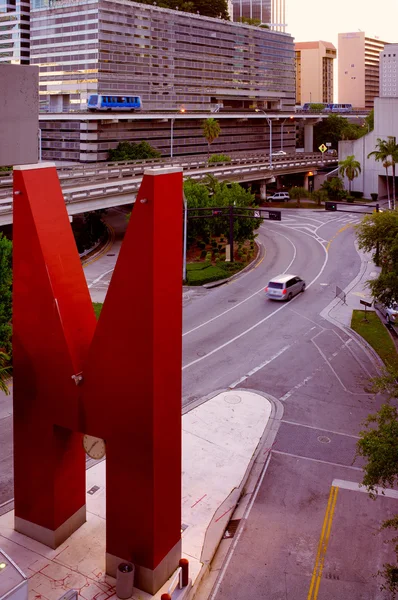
<point>314,71</point>
<point>358,69</point>
<point>389,71</point>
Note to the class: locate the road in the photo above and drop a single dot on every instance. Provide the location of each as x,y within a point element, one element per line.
<point>234,338</point>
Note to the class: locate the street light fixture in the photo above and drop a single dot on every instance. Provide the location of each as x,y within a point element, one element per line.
<point>269,121</point>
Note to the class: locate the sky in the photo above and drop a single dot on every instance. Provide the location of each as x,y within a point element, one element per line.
<point>312,20</point>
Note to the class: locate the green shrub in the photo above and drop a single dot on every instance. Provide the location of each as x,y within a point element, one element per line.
<point>350,199</point>
<point>357,195</point>
<point>203,254</point>
<point>216,158</point>
<point>208,256</point>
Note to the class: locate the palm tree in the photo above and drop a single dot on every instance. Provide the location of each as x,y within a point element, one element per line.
<point>387,152</point>
<point>351,168</point>
<point>5,372</point>
<point>297,193</point>
<point>211,131</point>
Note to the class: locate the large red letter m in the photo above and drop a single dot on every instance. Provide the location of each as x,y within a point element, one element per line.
<point>130,364</point>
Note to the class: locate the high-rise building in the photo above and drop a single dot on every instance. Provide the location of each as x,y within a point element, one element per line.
<point>389,71</point>
<point>314,71</point>
<point>14,31</point>
<point>270,12</point>
<point>358,68</point>
<point>169,58</point>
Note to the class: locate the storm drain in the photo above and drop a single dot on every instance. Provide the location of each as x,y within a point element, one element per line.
<point>231,529</point>
<point>92,490</point>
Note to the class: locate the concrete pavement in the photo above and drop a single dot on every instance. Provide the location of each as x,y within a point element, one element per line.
<point>221,439</point>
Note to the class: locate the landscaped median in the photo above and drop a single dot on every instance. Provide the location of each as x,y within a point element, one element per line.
<point>199,273</point>
<point>375,333</point>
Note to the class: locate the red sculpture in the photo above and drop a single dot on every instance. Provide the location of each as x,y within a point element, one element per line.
<point>118,379</point>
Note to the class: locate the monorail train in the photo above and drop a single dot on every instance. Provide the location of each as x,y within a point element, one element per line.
<point>338,108</point>
<point>96,102</point>
<point>322,107</point>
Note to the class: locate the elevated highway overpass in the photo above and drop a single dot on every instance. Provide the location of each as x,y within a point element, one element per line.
<point>91,187</point>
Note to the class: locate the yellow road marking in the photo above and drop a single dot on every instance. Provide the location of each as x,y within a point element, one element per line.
<point>323,545</point>
<point>336,234</point>
<point>105,249</point>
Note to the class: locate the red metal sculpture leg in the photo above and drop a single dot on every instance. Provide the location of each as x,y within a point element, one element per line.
<point>130,394</point>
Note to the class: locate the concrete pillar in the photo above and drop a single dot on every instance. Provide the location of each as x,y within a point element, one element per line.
<point>309,137</point>
<point>263,190</point>
<point>306,182</point>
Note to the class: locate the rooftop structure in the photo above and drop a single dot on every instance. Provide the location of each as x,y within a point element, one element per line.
<point>270,12</point>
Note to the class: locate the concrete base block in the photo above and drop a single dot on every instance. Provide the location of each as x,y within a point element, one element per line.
<point>148,580</point>
<point>51,538</point>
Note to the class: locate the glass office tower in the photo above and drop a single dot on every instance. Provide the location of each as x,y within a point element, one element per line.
<point>270,12</point>
<point>14,31</point>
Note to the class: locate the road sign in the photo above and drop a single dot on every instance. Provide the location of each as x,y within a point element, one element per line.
<point>328,144</point>
<point>322,148</point>
<point>365,303</point>
<point>257,214</point>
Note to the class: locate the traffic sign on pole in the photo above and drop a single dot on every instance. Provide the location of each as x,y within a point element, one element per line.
<point>322,148</point>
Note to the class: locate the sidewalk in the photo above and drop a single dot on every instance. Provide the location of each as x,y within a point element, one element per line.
<point>339,311</point>
<point>220,438</point>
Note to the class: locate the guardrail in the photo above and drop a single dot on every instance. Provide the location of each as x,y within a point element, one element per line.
<point>197,170</point>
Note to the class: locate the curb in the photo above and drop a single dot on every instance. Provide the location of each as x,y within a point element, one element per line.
<point>206,581</point>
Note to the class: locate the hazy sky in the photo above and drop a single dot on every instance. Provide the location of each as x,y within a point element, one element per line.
<point>310,20</point>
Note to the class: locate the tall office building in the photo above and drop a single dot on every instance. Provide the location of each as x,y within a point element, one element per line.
<point>389,71</point>
<point>314,71</point>
<point>358,68</point>
<point>14,31</point>
<point>169,58</point>
<point>270,12</point>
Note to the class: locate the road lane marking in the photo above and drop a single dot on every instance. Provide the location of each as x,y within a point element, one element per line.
<point>249,297</point>
<point>358,487</point>
<point>356,437</point>
<point>250,373</point>
<point>100,277</point>
<point>336,234</point>
<point>234,339</point>
<point>298,386</point>
<point>323,544</point>
<point>318,460</point>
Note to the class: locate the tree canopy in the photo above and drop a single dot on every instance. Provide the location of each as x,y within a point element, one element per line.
<point>133,151</point>
<point>334,129</point>
<point>212,193</point>
<point>379,233</point>
<point>215,8</point>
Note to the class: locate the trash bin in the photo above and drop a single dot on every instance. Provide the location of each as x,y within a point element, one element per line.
<point>124,580</point>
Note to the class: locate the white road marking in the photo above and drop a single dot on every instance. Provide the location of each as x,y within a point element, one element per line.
<point>237,537</point>
<point>323,462</point>
<point>297,387</point>
<point>358,487</point>
<point>100,277</point>
<point>266,362</point>
<point>237,337</point>
<point>249,297</point>
<point>356,437</point>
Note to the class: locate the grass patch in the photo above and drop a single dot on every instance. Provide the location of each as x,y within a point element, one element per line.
<point>375,333</point>
<point>205,272</point>
<point>97,308</point>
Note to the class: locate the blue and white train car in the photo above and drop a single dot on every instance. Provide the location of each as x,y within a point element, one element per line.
<point>97,102</point>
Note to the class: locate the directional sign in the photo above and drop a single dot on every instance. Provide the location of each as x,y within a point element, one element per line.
<point>322,148</point>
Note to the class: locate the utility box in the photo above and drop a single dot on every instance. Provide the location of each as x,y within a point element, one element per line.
<point>13,582</point>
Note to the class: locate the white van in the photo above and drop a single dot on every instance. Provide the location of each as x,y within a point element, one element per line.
<point>284,287</point>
